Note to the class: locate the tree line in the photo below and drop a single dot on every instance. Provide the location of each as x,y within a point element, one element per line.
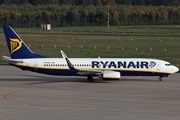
<point>94,2</point>
<point>68,15</point>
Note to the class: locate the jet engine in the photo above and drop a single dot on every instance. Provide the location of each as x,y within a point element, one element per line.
<point>110,75</point>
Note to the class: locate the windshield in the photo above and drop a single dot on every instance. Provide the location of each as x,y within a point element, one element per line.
<point>168,64</point>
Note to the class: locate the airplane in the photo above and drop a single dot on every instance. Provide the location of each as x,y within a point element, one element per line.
<point>106,68</point>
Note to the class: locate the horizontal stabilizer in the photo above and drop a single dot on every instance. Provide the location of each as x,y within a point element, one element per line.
<point>12,60</point>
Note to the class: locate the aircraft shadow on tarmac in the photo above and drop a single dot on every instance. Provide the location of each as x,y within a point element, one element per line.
<point>50,79</point>
<point>137,79</point>
<point>35,79</point>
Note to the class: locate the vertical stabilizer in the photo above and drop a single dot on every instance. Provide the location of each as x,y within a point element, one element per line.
<point>17,48</point>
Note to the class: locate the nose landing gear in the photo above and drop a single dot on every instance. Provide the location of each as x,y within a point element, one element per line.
<point>160,77</point>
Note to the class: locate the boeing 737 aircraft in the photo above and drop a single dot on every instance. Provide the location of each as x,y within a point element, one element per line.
<point>106,68</point>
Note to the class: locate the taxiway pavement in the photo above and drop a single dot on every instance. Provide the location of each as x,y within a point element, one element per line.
<point>32,96</point>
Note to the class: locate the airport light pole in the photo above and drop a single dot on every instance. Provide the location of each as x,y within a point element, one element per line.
<point>108,12</point>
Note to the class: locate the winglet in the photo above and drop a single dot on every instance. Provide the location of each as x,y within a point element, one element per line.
<point>63,54</point>
<point>70,65</point>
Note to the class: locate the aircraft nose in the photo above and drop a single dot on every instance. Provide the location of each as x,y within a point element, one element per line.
<point>176,69</point>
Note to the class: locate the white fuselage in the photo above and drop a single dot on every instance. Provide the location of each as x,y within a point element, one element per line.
<point>127,66</point>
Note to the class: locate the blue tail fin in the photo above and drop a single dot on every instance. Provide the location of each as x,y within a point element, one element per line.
<point>17,48</point>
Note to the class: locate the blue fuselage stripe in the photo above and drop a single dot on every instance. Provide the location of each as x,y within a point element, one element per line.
<point>60,72</point>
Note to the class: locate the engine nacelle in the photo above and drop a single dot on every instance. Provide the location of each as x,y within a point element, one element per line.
<point>111,75</point>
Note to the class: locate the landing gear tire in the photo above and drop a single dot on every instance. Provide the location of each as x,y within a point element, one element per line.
<point>159,79</point>
<point>90,79</point>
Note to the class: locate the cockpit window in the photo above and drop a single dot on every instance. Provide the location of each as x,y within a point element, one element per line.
<point>167,64</point>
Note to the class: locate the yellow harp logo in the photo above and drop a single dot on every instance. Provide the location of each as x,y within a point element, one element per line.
<point>15,44</point>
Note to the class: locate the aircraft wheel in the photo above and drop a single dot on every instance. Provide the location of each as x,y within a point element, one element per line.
<point>159,79</point>
<point>90,79</point>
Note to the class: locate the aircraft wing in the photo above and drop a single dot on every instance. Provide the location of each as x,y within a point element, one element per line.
<point>89,72</point>
<point>81,72</point>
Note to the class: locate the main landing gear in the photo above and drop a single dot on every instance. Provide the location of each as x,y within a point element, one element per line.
<point>159,79</point>
<point>90,78</point>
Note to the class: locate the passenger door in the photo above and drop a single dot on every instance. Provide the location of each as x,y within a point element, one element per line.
<point>158,66</point>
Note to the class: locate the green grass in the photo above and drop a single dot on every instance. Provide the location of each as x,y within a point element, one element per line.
<point>143,30</point>
<point>96,44</point>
